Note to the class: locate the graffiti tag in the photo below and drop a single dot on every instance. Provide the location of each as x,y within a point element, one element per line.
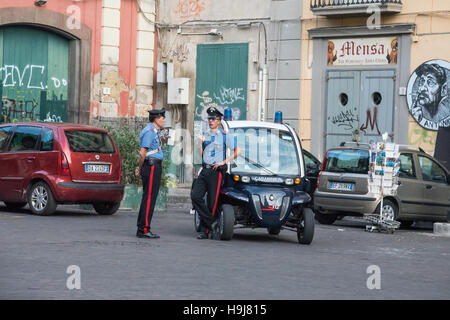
<point>189,8</point>
<point>30,77</point>
<point>52,118</point>
<point>229,95</point>
<point>345,119</point>
<point>373,122</point>
<point>181,53</point>
<point>18,109</point>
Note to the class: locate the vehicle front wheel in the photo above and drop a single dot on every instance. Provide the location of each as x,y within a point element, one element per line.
<point>41,200</point>
<point>224,229</point>
<point>305,229</point>
<point>106,208</point>
<point>197,225</point>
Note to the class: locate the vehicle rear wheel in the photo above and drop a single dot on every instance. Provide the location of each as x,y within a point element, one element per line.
<point>224,230</point>
<point>325,218</point>
<point>274,231</point>
<point>106,208</point>
<point>305,230</point>
<point>390,210</point>
<point>41,200</point>
<point>15,205</point>
<point>196,221</point>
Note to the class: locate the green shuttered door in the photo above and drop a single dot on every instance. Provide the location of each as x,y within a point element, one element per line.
<point>221,81</point>
<point>33,74</point>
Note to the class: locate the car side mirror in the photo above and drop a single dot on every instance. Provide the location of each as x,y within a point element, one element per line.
<point>312,169</point>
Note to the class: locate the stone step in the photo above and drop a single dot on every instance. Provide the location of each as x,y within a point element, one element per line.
<point>441,229</point>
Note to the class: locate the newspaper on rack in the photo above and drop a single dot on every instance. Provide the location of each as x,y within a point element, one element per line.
<point>383,181</point>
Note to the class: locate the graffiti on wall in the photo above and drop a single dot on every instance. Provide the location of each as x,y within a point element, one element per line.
<point>181,53</point>
<point>371,121</point>
<point>26,95</point>
<point>344,119</point>
<point>189,8</point>
<point>229,96</point>
<point>418,136</point>
<point>207,101</point>
<point>29,77</point>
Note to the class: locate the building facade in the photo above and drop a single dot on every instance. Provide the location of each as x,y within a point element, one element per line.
<point>83,61</point>
<point>359,72</point>
<point>238,55</point>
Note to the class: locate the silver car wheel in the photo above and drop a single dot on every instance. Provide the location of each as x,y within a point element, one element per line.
<point>388,212</point>
<point>39,198</point>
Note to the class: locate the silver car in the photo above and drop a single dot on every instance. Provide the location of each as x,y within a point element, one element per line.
<point>342,189</point>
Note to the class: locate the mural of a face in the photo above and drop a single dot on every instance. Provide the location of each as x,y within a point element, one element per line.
<point>428,94</point>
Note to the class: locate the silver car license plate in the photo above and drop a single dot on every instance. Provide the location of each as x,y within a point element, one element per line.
<point>96,168</point>
<point>341,186</point>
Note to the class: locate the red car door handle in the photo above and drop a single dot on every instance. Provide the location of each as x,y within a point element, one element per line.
<point>30,159</point>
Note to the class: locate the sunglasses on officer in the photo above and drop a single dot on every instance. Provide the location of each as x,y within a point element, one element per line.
<point>214,118</point>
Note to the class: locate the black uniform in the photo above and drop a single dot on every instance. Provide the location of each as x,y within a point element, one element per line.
<point>210,180</point>
<point>151,176</point>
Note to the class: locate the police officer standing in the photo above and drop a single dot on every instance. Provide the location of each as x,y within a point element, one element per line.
<point>150,168</point>
<point>214,164</point>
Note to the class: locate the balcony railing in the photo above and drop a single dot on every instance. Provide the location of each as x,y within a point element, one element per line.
<point>353,7</point>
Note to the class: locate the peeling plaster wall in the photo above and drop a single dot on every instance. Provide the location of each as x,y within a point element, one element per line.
<point>119,56</point>
<point>263,24</point>
<point>123,89</point>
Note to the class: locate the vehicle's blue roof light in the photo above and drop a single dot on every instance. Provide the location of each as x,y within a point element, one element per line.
<point>278,117</point>
<point>228,114</point>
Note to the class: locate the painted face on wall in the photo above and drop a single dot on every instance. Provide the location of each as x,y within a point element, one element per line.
<point>429,91</point>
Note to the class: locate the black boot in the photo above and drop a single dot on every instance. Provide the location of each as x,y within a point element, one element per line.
<point>202,235</point>
<point>148,235</point>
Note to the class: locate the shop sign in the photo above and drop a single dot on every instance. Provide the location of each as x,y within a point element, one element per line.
<point>362,51</point>
<point>428,95</point>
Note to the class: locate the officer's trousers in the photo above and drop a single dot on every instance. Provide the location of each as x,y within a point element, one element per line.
<point>151,181</point>
<point>209,181</point>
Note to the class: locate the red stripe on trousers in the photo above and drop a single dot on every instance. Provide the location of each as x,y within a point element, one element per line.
<point>149,196</point>
<point>217,194</point>
<point>217,197</point>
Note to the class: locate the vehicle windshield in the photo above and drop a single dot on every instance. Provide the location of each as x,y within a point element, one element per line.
<point>348,161</point>
<point>89,141</point>
<point>266,152</point>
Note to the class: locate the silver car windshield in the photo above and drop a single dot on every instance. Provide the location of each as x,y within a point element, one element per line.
<point>266,152</point>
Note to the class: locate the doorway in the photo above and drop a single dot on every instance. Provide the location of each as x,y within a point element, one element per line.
<point>359,104</point>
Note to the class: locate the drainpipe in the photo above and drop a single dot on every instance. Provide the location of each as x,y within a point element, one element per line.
<point>264,93</point>
<point>260,94</point>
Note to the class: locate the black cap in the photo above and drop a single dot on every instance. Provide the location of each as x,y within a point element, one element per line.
<point>213,112</point>
<point>156,113</point>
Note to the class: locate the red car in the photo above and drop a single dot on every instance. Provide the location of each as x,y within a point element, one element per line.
<point>45,164</point>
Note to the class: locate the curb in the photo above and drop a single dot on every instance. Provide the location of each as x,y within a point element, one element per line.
<point>441,229</point>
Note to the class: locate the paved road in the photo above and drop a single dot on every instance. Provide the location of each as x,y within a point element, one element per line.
<point>35,253</point>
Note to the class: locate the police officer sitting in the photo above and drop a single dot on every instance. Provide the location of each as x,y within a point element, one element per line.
<point>150,169</point>
<point>214,145</point>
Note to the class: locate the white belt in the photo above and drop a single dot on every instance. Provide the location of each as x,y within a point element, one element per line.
<point>149,153</point>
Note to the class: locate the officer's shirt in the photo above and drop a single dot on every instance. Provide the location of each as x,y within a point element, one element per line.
<point>149,139</point>
<point>214,150</point>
